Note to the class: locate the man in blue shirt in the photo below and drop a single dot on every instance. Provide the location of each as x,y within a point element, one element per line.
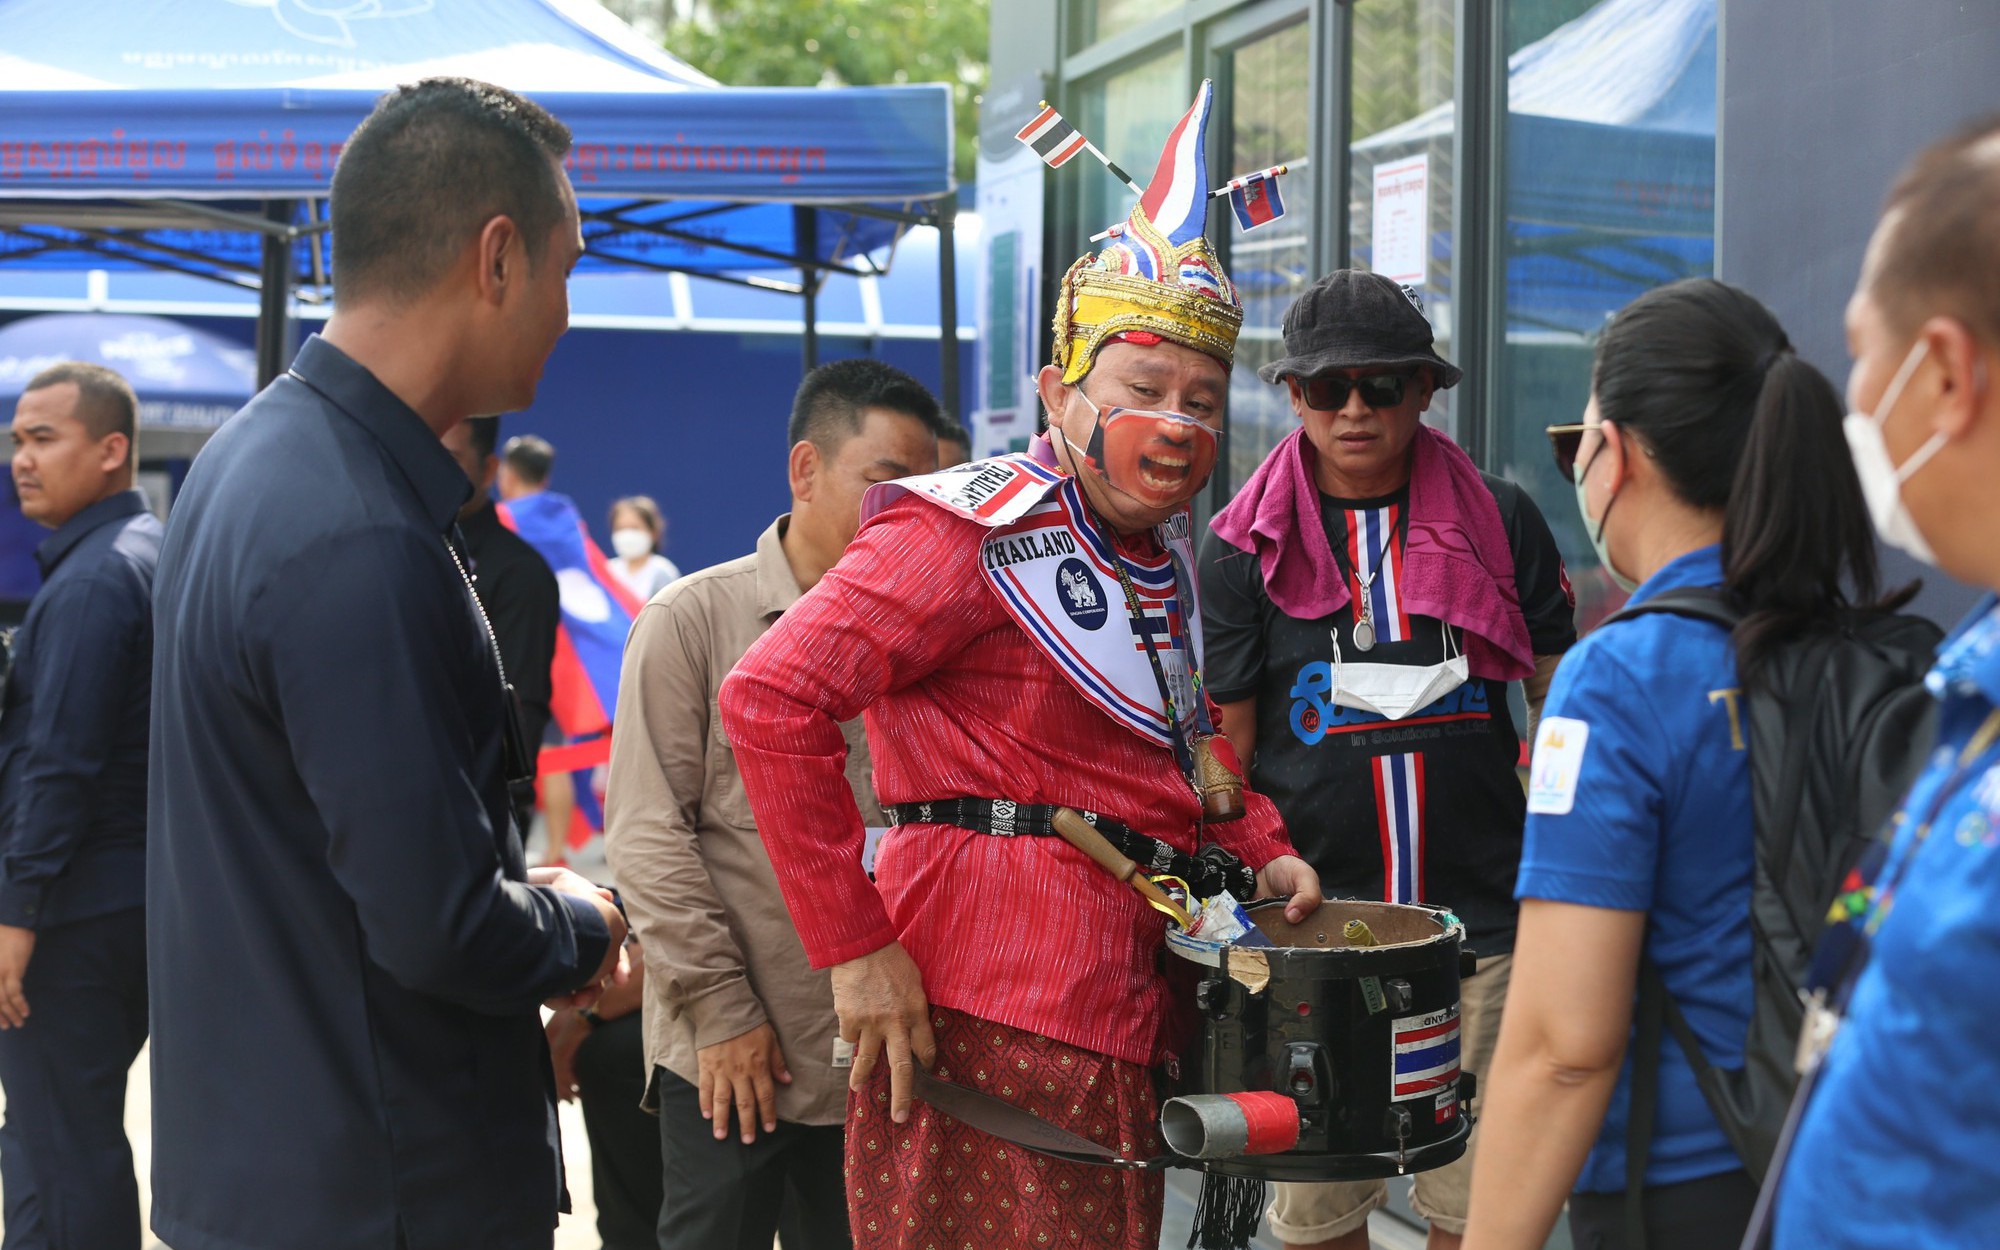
<point>73,818</point>
<point>1900,1142</point>
<point>348,951</point>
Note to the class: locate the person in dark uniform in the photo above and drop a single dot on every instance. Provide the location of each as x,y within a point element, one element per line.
<point>598,1050</point>
<point>514,583</point>
<point>1368,597</point>
<point>348,950</point>
<point>73,819</point>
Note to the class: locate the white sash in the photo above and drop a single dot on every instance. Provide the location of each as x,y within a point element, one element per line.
<point>1056,576</point>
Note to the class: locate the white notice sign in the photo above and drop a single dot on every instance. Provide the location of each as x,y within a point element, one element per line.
<point>1402,219</point>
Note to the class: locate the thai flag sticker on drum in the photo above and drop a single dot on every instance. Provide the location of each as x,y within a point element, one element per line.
<point>1425,1061</point>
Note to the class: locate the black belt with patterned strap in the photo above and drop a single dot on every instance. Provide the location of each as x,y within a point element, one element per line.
<point>1211,871</point>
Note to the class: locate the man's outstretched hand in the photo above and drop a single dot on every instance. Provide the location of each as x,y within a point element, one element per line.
<point>880,1001</point>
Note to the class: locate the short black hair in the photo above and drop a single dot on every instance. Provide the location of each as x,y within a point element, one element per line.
<point>1941,251</point>
<point>104,399</point>
<point>427,170</point>
<point>828,407</point>
<point>485,435</point>
<point>951,430</point>
<point>531,457</point>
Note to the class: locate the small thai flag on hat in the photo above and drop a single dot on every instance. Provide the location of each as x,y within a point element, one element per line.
<point>1053,139</point>
<point>1255,198</point>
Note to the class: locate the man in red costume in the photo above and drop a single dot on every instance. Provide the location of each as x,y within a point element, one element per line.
<point>1022,635</point>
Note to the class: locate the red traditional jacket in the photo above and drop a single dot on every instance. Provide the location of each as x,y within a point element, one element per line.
<point>961,701</point>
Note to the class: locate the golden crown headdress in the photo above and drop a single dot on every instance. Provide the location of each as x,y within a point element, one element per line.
<point>1158,275</point>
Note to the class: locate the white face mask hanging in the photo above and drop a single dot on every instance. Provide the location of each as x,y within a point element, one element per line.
<point>1396,690</point>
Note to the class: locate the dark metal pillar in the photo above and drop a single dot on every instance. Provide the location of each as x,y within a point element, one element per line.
<point>1479,227</point>
<point>947,215</point>
<point>274,297</point>
<point>806,227</point>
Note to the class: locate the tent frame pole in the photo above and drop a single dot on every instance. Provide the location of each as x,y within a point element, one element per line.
<point>945,213</point>
<point>274,296</point>
<point>806,226</point>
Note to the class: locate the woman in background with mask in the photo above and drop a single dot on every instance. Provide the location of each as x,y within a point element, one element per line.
<point>1710,455</point>
<point>636,530</point>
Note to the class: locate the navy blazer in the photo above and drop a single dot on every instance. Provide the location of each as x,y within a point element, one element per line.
<point>346,961</point>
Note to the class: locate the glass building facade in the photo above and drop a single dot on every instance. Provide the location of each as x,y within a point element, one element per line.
<point>1528,167</point>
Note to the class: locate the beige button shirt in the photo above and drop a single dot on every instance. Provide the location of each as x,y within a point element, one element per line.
<point>722,955</point>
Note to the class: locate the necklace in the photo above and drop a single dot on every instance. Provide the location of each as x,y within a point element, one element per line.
<point>1364,611</point>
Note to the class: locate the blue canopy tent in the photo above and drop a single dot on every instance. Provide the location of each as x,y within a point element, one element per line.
<point>203,139</point>
<point>188,380</point>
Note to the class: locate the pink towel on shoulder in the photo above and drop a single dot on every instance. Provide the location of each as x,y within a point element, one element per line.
<point>1457,563</point>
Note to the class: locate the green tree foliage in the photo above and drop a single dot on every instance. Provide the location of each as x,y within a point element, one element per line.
<point>806,43</point>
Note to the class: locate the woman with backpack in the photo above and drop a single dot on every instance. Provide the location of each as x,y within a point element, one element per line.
<point>1710,456</point>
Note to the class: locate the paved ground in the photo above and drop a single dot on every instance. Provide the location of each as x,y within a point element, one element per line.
<point>578,1231</point>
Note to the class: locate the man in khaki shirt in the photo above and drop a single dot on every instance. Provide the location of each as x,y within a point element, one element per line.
<point>737,1022</point>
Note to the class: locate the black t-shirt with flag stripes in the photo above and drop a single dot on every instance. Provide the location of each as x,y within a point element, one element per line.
<point>1428,808</point>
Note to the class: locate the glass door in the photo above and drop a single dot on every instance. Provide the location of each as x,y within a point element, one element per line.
<point>1262,62</point>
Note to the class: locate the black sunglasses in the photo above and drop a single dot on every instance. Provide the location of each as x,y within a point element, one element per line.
<point>1564,440</point>
<point>1329,392</point>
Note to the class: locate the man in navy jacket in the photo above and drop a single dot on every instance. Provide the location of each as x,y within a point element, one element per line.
<point>73,818</point>
<point>348,951</point>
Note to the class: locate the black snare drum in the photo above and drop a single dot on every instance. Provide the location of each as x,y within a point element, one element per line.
<point>1364,1039</point>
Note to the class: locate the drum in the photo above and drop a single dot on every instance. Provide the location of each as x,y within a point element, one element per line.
<point>1363,1039</point>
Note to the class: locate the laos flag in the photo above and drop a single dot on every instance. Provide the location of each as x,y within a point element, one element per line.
<point>597,613</point>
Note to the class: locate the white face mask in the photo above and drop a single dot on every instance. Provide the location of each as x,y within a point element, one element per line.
<point>1396,690</point>
<point>630,544</point>
<point>1881,479</point>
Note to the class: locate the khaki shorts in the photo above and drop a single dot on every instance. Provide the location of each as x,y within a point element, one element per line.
<point>1308,1213</point>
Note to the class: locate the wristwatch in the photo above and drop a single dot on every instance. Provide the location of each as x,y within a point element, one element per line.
<point>589,1016</point>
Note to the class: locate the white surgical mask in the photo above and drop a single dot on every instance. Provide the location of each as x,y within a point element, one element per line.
<point>1595,529</point>
<point>1396,690</point>
<point>630,544</point>
<point>1881,479</point>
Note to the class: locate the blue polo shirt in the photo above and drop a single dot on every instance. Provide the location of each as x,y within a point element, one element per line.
<point>1900,1145</point>
<point>1639,800</point>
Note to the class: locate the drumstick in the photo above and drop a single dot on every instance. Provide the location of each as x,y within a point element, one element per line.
<point>1077,831</point>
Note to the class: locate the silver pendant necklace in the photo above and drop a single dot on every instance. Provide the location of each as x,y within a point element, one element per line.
<point>1364,612</point>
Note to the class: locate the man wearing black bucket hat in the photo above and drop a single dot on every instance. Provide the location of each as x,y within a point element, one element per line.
<point>1368,596</point>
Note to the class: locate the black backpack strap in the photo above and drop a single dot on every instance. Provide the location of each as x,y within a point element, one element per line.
<point>1703,603</point>
<point>1643,1109</point>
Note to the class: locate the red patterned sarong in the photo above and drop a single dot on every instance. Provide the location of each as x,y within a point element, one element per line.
<point>936,1184</point>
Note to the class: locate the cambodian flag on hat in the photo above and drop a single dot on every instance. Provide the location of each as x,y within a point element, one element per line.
<point>1255,198</point>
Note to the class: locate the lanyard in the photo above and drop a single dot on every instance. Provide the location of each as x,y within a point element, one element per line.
<point>1183,752</point>
<point>1976,747</point>
<point>1843,950</point>
<point>517,760</point>
<point>1838,962</point>
<point>1364,611</point>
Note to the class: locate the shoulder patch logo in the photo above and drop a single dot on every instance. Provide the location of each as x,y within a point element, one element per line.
<point>1559,745</point>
